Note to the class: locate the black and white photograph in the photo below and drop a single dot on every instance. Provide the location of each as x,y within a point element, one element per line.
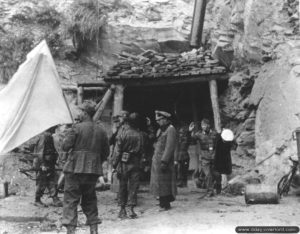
<point>149,116</point>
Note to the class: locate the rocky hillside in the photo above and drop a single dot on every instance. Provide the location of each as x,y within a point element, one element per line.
<point>261,103</point>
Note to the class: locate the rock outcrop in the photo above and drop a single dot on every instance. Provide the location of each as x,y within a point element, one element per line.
<point>258,40</point>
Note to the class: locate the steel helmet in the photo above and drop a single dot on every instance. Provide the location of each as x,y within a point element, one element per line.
<point>227,135</point>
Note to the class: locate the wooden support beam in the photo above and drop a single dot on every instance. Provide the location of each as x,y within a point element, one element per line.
<point>80,91</point>
<point>74,88</point>
<point>118,99</point>
<point>213,88</point>
<point>101,105</point>
<point>96,83</point>
<point>169,80</point>
<point>197,24</point>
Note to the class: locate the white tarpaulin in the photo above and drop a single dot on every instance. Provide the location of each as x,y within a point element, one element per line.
<point>32,101</point>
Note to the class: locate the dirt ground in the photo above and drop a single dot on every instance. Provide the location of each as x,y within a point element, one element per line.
<point>189,214</point>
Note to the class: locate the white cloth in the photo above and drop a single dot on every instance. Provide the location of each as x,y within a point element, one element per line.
<point>32,101</point>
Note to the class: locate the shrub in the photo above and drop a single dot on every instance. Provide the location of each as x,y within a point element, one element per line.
<point>86,19</point>
<point>48,17</point>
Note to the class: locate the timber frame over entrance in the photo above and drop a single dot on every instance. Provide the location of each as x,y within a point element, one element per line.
<point>152,69</point>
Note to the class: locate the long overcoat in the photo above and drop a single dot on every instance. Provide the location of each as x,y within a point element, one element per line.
<point>164,183</point>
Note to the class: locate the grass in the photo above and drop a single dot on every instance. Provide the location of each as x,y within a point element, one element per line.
<point>86,19</point>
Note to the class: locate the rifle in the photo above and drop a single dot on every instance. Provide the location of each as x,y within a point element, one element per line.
<point>26,171</point>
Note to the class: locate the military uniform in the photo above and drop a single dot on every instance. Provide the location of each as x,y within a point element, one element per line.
<point>207,143</point>
<point>46,157</point>
<point>89,144</point>
<point>113,141</point>
<point>182,156</point>
<point>127,161</point>
<point>163,180</point>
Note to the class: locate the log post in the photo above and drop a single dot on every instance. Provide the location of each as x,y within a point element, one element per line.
<point>197,24</point>
<point>261,194</point>
<point>101,105</point>
<point>118,99</point>
<point>80,91</point>
<point>213,88</point>
<point>117,107</point>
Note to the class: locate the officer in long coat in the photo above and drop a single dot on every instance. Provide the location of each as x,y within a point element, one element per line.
<point>163,178</point>
<point>89,145</point>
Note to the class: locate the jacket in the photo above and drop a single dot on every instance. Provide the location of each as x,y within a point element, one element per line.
<point>88,146</point>
<point>44,151</point>
<point>130,141</point>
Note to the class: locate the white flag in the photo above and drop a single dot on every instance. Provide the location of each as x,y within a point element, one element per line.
<point>32,101</point>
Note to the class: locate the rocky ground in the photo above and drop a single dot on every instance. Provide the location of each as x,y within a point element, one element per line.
<point>191,213</point>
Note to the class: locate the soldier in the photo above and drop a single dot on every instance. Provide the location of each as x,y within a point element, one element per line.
<point>182,157</point>
<point>120,124</point>
<point>148,139</point>
<point>207,140</point>
<point>44,164</point>
<point>89,144</point>
<point>222,161</point>
<point>127,160</point>
<point>163,178</point>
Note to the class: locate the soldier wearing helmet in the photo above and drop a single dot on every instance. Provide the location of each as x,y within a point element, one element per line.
<point>127,159</point>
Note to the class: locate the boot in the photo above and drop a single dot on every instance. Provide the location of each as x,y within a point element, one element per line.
<point>122,213</point>
<point>94,229</point>
<point>218,188</point>
<point>165,206</point>
<point>39,203</point>
<point>131,212</point>
<point>71,229</point>
<point>57,202</point>
<point>210,193</point>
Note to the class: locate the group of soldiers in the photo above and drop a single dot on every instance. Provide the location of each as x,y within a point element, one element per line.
<point>88,146</point>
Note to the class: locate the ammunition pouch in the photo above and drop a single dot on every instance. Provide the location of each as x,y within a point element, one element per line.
<point>125,157</point>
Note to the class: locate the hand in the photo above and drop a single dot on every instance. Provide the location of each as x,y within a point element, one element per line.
<point>191,126</point>
<point>44,168</point>
<point>114,130</point>
<point>164,166</point>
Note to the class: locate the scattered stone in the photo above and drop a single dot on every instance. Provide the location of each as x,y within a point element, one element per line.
<point>150,64</point>
<point>296,70</point>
